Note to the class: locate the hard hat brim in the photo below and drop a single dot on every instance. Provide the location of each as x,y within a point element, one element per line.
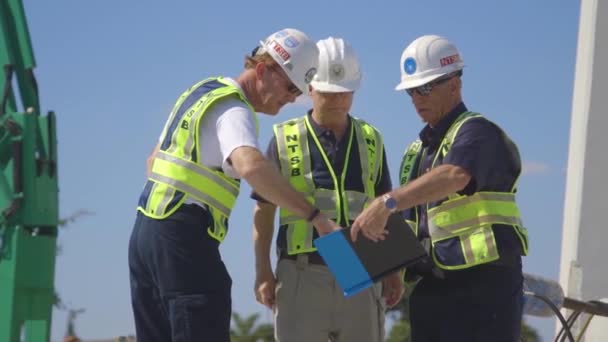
<point>417,82</point>
<point>344,87</point>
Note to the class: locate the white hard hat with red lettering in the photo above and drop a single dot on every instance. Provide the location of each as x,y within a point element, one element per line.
<point>339,70</point>
<point>426,59</point>
<point>295,53</point>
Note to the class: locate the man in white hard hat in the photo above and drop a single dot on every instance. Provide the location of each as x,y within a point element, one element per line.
<point>458,184</point>
<point>339,162</point>
<point>180,287</point>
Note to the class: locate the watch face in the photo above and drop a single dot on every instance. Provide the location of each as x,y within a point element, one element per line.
<point>390,203</point>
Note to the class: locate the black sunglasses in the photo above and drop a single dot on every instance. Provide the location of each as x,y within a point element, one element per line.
<point>292,88</point>
<point>426,89</point>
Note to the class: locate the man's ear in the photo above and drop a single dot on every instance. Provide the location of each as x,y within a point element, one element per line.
<point>456,85</point>
<point>260,70</point>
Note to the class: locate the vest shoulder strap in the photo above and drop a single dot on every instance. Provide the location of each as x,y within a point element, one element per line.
<point>408,163</point>
<point>371,150</point>
<point>448,139</point>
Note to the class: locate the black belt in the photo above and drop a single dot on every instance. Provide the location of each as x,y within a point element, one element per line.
<point>313,257</point>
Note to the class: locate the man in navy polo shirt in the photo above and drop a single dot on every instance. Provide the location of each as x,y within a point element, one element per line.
<point>338,161</point>
<point>458,184</point>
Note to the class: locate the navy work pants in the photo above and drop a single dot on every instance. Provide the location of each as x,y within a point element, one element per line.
<point>480,304</point>
<point>180,288</point>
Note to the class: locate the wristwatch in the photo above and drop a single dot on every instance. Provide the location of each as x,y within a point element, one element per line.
<point>390,203</point>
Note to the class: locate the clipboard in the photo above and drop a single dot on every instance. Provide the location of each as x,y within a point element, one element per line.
<point>359,265</point>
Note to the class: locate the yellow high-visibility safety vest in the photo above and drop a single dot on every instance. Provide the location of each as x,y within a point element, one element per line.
<point>468,219</point>
<point>177,171</point>
<point>294,155</point>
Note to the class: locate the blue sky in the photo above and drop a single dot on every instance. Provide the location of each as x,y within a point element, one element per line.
<point>112,70</point>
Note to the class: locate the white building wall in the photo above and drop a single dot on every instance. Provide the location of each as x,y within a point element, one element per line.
<point>584,259</point>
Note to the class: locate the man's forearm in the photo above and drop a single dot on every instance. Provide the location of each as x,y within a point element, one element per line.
<point>432,186</point>
<point>267,181</point>
<point>263,230</point>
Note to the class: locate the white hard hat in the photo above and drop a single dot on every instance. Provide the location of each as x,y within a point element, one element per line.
<point>426,59</point>
<point>295,53</point>
<point>338,67</point>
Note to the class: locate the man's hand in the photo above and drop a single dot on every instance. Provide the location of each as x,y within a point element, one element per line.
<point>371,222</point>
<point>265,284</point>
<point>324,225</point>
<point>392,289</point>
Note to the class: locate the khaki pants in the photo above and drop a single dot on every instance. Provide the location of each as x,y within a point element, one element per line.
<point>310,307</point>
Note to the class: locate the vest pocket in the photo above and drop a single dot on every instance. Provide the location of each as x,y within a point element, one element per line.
<point>218,224</point>
<point>472,247</point>
<point>448,253</point>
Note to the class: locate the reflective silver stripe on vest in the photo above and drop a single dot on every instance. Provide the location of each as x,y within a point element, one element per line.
<point>232,188</point>
<point>282,151</point>
<point>362,147</point>
<point>356,203</point>
<point>192,191</point>
<point>176,107</point>
<point>378,164</point>
<point>197,108</point>
<point>152,190</point>
<point>367,175</point>
<point>446,231</point>
<point>406,169</point>
<point>202,103</point>
<point>165,200</point>
<point>449,231</point>
<point>323,199</point>
<point>306,160</point>
<point>479,196</point>
<point>289,219</point>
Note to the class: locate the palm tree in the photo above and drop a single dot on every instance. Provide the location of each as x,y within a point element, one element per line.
<point>247,330</point>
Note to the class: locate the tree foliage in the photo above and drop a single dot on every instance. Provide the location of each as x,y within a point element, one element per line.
<point>247,329</point>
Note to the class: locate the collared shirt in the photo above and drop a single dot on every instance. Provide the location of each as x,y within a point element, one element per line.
<point>336,154</point>
<point>486,153</point>
<point>335,151</point>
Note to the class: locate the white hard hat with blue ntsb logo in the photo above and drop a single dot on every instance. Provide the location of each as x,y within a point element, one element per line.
<point>426,59</point>
<point>297,55</point>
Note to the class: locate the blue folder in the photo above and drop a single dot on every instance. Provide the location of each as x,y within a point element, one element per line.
<point>359,265</point>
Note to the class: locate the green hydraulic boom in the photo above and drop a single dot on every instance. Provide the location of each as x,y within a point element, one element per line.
<point>28,188</point>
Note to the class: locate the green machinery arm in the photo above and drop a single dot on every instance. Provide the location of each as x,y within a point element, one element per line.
<point>28,188</point>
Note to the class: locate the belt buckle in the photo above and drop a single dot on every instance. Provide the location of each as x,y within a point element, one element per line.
<point>302,260</point>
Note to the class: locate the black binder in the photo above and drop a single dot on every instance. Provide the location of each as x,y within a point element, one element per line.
<point>359,265</point>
